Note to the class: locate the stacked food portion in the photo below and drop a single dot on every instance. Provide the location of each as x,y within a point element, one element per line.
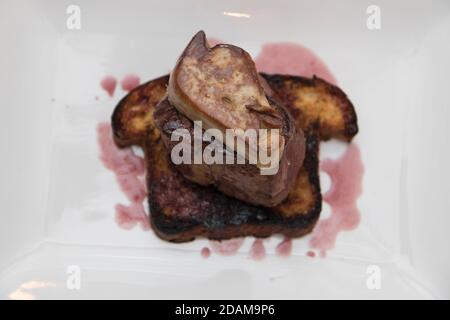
<point>233,192</point>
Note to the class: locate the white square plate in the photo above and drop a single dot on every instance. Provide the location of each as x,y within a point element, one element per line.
<point>58,200</point>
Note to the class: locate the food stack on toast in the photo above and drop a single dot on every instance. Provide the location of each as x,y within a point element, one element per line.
<point>220,87</point>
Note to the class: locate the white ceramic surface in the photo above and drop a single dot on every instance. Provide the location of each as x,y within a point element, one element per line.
<point>57,199</point>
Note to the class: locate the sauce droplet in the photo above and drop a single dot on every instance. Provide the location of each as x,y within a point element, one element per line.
<point>109,84</point>
<point>284,248</point>
<point>257,250</point>
<point>129,82</point>
<point>311,254</point>
<point>227,247</point>
<point>205,252</point>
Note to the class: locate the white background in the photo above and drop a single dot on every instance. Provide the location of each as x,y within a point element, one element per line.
<point>57,199</point>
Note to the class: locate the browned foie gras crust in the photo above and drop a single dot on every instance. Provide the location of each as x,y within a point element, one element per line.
<point>219,86</point>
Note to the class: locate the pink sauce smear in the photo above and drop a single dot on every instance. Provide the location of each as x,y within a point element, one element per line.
<point>129,170</point>
<point>257,250</point>
<point>284,248</point>
<point>226,247</point>
<point>129,216</point>
<point>346,175</point>
<point>292,59</point>
<point>205,252</point>
<point>129,82</point>
<point>109,83</point>
<point>120,161</point>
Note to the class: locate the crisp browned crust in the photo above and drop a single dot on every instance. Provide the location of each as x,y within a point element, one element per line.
<point>221,87</point>
<point>315,103</point>
<point>182,210</point>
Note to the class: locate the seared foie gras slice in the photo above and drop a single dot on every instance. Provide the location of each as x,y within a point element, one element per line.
<point>221,87</point>
<point>241,181</point>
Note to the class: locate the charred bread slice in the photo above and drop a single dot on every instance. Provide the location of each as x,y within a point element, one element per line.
<point>132,118</point>
<point>181,210</point>
<point>315,103</point>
